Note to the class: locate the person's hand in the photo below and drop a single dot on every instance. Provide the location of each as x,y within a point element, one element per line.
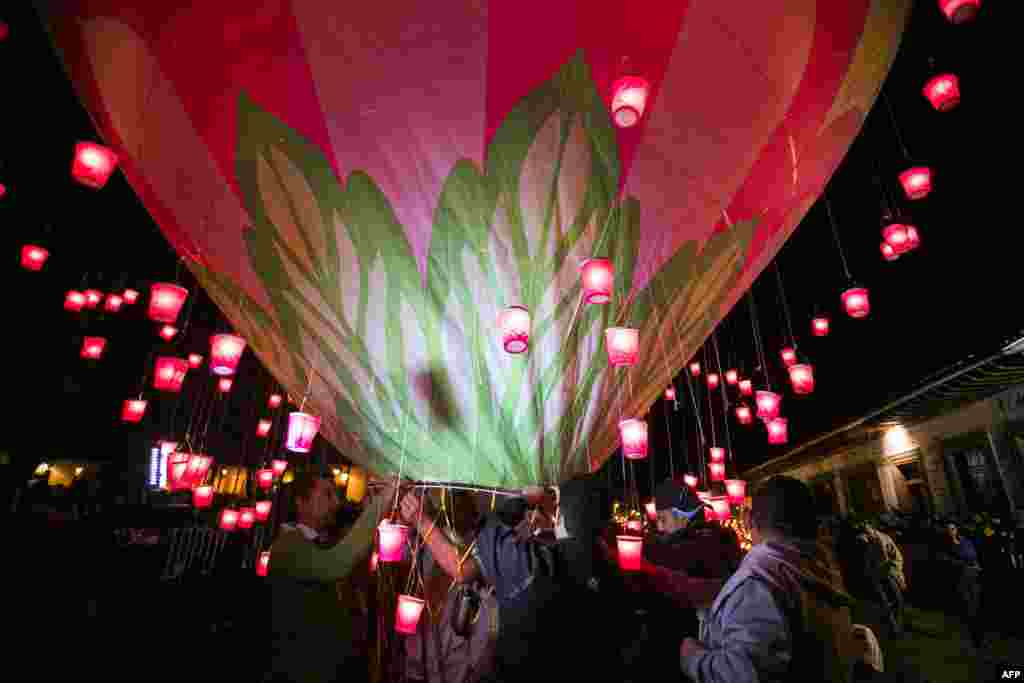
<point>690,648</point>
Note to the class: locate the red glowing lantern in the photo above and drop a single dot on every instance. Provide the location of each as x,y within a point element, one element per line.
<point>93,297</point>
<point>130,296</point>
<point>33,257</point>
<point>720,508</point>
<point>856,302</point>
<point>630,552</point>
<point>735,491</point>
<point>74,301</point>
<point>265,478</point>
<point>165,302</point>
<point>168,447</point>
<point>670,394</point>
<point>916,182</point>
<point>279,467</point>
<point>623,346</point>
<point>960,11</point>
<point>652,511</point>
<point>202,497</point>
<point>712,380</point>
<point>198,466</point>
<point>302,429</point>
<point>743,414</point>
<point>888,253</point>
<point>93,164</point>
<point>263,563</point>
<point>133,410</point>
<point>717,470</point>
<point>274,401</point>
<point>514,325</point>
<point>801,376</point>
<point>391,541</point>
<point>690,480</point>
<point>92,347</point>
<point>263,510</point>
<point>634,439</point>
<point>169,373</point>
<point>732,377</point>
<point>194,360</point>
<point>113,303</point>
<point>228,519</point>
<point>407,614</point>
<point>896,235</point>
<point>819,326</point>
<point>263,428</point>
<point>788,356</point>
<point>177,471</point>
<point>629,99</point>
<point>717,454</point>
<point>746,387</point>
<point>225,352</point>
<point>943,91</point>
<point>778,431</point>
<point>635,525</point>
<point>597,276</point>
<point>695,369</point>
<point>167,332</point>
<point>767,405</point>
<point>246,518</point>
<point>224,384</point>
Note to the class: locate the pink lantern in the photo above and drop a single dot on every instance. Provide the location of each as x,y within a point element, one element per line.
<point>767,405</point>
<point>943,91</point>
<point>263,428</point>
<point>888,253</point>
<point>113,303</point>
<point>130,296</point>
<point>788,356</point>
<point>407,614</point>
<point>778,431</point>
<point>133,410</point>
<point>177,471</point>
<point>225,352</point>
<point>167,332</point>
<point>720,506</point>
<point>224,384</point>
<point>165,302</point>
<point>391,541</point>
<point>743,414</point>
<point>274,400</point>
<point>623,345</point>
<point>652,511</point>
<point>169,373</point>
<point>895,235</point>
<point>93,164</point>
<point>262,509</point>
<point>630,552</point>
<point>168,447</point>
<point>717,470</point>
<point>202,497</point>
<point>670,394</point>
<point>717,454</point>
<point>746,387</point>
<point>635,525</point>
<point>93,297</point>
<point>265,478</point>
<point>712,380</point>
<point>263,563</point>
<point>514,325</point>
<point>92,347</point>
<point>960,11</point>
<point>302,429</point>
<point>74,301</point>
<point>597,277</point>
<point>228,519</point>
<point>695,369</point>
<point>802,378</point>
<point>690,480</point>
<point>33,257</point>
<point>916,182</point>
<point>856,302</point>
<point>246,518</point>
<point>819,326</point>
<point>198,467</point>
<point>735,491</point>
<point>629,99</point>
<point>279,467</point>
<point>634,439</point>
<point>194,360</point>
<point>732,377</point>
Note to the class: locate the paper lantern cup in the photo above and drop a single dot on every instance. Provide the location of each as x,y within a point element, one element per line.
<point>263,428</point>
<point>279,467</point>
<point>634,439</point>
<point>165,302</point>
<point>778,431</point>
<point>194,360</point>
<point>960,11</point>
<point>856,302</point>
<point>130,296</point>
<point>623,345</point>
<point>202,497</point>
<point>265,479</point>
<point>246,518</point>
<point>225,352</point>
<point>597,278</point>
<point>788,356</point>
<point>169,373</point>
<point>768,404</point>
<point>407,614</point>
<point>224,384</point>
<point>113,303</point>
<point>732,377</point>
<point>630,552</point>
<point>670,394</point>
<point>93,297</point>
<point>720,506</point>
<point>820,326</point>
<point>743,414</point>
<point>635,525</point>
<point>92,348</point>
<point>652,511</point>
<point>717,454</point>
<point>228,520</point>
<point>695,369</point>
<point>33,257</point>
<point>712,380</point>
<point>74,301</point>
<point>167,332</point>
<point>263,563</point>
<point>274,400</point>
<point>133,410</point>
<point>746,387</point>
<point>916,182</point>
<point>514,328</point>
<point>717,470</point>
<point>735,491</point>
<point>801,376</point>
<point>262,510</point>
<point>302,429</point>
<point>391,540</point>
<point>93,164</point>
<point>629,100</point>
<point>943,91</point>
<point>690,480</point>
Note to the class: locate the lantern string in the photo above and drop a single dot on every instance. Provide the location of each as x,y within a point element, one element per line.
<point>835,234</point>
<point>309,387</point>
<point>725,403</point>
<point>895,128</point>
<point>701,442</point>
<point>785,304</point>
<point>711,412</point>
<point>757,338</point>
<point>668,431</point>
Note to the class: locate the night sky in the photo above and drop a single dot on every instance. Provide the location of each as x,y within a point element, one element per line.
<point>950,299</point>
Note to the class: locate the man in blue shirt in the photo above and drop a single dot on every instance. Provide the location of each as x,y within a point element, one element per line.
<point>961,554</point>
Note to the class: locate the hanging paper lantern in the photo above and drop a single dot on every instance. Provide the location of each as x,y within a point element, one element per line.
<point>712,380</point>
<point>133,410</point>
<point>597,277</point>
<point>819,326</point>
<point>198,467</point>
<point>169,373</point>
<point>943,91</point>
<point>514,326</point>
<point>177,472</point>
<point>225,352</point>
<point>92,347</point>
<point>93,164</point>
<point>130,296</point>
<point>743,414</point>
<point>635,525</point>
<point>167,332</point>
<point>630,552</point>
<point>265,478</point>
<point>113,303</point>
<point>168,447</point>
<point>732,377</point>
<point>279,466</point>
<point>717,470</point>
<point>778,431</point>
<point>690,480</point>
<point>274,401</point>
<point>652,511</point>
<point>391,541</point>
<point>670,394</point>
<point>767,404</point>
<point>695,369</point>
<point>788,356</point>
<point>720,506</point>
<point>735,491</point>
<point>801,376</point>
<point>194,360</point>
<point>916,182</point>
<point>262,509</point>
<point>302,429</point>
<point>224,384</point>
<point>228,519</point>
<point>717,454</point>
<point>896,235</point>
<point>629,99</point>
<point>634,439</point>
<point>856,302</point>
<point>623,346</point>
<point>246,518</point>
<point>407,614</point>
<point>263,428</point>
<point>33,257</point>
<point>263,563</point>
<point>165,302</point>
<point>93,297</point>
<point>888,253</point>
<point>74,301</point>
<point>960,11</point>
<point>202,497</point>
<point>746,387</point>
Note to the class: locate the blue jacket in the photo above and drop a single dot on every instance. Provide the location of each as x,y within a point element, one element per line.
<point>783,616</point>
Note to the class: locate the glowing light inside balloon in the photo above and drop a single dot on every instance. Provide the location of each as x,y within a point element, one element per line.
<point>263,428</point>
<point>856,302</point>
<point>194,360</point>
<point>93,164</point>
<point>778,431</point>
<point>717,470</point>
<point>167,332</point>
<point>302,429</point>
<point>712,380</point>
<point>788,356</point>
<point>93,297</point>
<point>263,563</point>
<point>169,373</point>
<point>735,491</point>
<point>113,303</point>
<point>820,326</point>
<point>262,509</point>
<point>690,480</point>
<point>279,466</point>
<point>92,347</point>
<point>407,614</point>
<point>74,301</point>
<point>767,405</point>
<point>246,518</point>
<point>801,376</point>
<point>960,11</point>
<point>916,182</point>
<point>716,454</point>
<point>597,277</point>
<point>630,552</point>
<point>391,540</point>
<point>130,296</point>
<point>943,91</point>
<point>720,505</point>
<point>265,479</point>
<point>33,257</point>
<point>695,369</point>
<point>746,387</point>
<point>629,99</point>
<point>514,327</point>
<point>133,410</point>
<point>743,414</point>
<point>634,439</point>
<point>623,345</point>
<point>224,384</point>
<point>202,497</point>
<point>732,377</point>
<point>228,519</point>
<point>274,400</point>
<point>670,394</point>
<point>165,302</point>
<point>225,352</point>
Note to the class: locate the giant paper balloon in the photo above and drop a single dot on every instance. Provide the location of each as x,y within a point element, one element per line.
<point>363,187</point>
